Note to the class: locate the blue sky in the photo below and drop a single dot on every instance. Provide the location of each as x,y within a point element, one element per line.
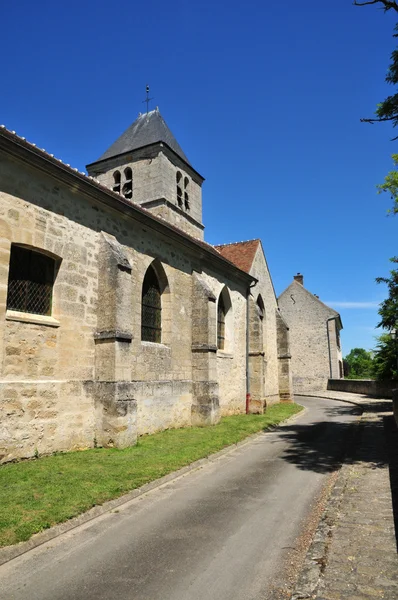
<point>264,98</point>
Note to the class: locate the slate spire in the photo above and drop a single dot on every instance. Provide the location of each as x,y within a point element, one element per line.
<point>149,128</point>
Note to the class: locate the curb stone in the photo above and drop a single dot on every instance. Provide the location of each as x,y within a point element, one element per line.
<point>8,553</point>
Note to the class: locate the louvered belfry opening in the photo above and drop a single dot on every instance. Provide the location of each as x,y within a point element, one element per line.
<point>221,324</point>
<point>30,281</point>
<point>151,319</point>
<point>116,182</point>
<point>179,190</point>
<point>128,185</point>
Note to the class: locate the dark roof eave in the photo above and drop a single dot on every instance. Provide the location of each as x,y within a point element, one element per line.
<point>159,143</point>
<point>21,149</point>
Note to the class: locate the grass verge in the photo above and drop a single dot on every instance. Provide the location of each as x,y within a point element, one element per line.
<point>37,494</point>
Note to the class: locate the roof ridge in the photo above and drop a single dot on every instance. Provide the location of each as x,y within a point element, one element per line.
<point>236,243</point>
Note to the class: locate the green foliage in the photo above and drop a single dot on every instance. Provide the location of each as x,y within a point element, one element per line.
<point>386,352</point>
<point>36,494</point>
<point>360,364</point>
<point>388,310</point>
<point>387,110</point>
<point>390,186</point>
<point>385,359</point>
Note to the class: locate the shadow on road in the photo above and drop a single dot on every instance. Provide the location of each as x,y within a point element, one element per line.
<point>322,446</point>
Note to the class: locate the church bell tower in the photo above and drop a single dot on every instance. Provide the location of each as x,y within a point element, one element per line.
<point>147,166</point>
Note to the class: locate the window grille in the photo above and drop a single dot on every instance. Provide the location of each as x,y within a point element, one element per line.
<point>30,281</point>
<point>221,324</point>
<point>151,316</point>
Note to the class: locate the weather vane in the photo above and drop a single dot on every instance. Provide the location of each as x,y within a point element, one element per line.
<point>147,99</point>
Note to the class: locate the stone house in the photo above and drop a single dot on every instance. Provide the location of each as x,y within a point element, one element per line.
<point>314,330</point>
<point>116,317</point>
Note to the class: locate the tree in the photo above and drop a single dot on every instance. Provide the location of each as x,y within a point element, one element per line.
<point>360,364</point>
<point>386,352</point>
<point>388,310</point>
<point>390,186</point>
<point>387,110</point>
<point>385,358</point>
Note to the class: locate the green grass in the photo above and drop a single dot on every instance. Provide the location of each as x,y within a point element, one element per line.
<point>36,494</point>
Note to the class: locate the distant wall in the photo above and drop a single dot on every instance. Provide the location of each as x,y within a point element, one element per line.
<point>381,389</point>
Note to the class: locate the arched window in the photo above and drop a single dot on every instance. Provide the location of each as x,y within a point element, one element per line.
<point>186,195</point>
<point>260,307</point>
<point>116,182</point>
<point>30,281</point>
<point>221,324</point>
<point>260,315</point>
<point>179,188</point>
<point>151,315</point>
<point>128,184</point>
<point>225,322</point>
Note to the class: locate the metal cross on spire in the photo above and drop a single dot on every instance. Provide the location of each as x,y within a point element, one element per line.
<point>147,99</point>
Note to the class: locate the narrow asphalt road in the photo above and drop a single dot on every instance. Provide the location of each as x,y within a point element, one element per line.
<point>221,532</point>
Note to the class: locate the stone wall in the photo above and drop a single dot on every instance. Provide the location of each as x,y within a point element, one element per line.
<point>311,329</point>
<point>41,416</point>
<point>369,387</point>
<point>82,375</point>
<point>45,361</point>
<point>230,362</point>
<point>263,362</point>
<point>284,360</point>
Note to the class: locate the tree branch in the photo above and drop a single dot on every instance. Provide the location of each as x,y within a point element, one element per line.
<point>379,119</point>
<point>388,4</point>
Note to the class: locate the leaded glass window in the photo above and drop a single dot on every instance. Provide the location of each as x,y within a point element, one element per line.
<point>221,324</point>
<point>30,281</point>
<point>151,317</point>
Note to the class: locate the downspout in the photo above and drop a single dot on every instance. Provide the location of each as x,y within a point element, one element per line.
<point>252,285</point>
<point>330,352</point>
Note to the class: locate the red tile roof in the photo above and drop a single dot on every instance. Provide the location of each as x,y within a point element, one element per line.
<point>240,253</point>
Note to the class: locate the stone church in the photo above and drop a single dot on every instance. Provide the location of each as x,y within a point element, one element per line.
<point>117,318</point>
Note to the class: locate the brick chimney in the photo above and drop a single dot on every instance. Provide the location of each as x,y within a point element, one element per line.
<point>299,278</point>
